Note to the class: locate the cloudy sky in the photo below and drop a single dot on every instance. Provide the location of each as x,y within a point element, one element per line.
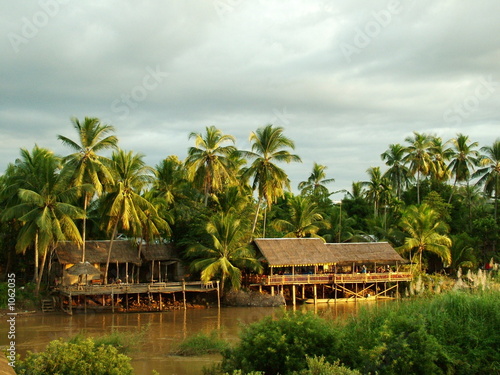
<point>345,79</point>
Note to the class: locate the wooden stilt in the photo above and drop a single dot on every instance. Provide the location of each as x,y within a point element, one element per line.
<point>112,301</point>
<point>70,304</point>
<point>293,295</point>
<point>272,291</point>
<point>184,293</point>
<point>159,296</point>
<point>85,304</point>
<point>315,294</point>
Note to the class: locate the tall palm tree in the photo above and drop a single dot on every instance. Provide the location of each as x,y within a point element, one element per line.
<point>377,189</point>
<point>440,154</point>
<point>463,158</point>
<point>45,210</point>
<point>489,172</point>
<point>315,184</point>
<point>398,173</point>
<point>208,160</point>
<point>269,145</point>
<point>418,156</point>
<point>426,232</point>
<point>171,179</point>
<point>305,219</point>
<point>227,255</point>
<point>124,204</point>
<point>85,166</point>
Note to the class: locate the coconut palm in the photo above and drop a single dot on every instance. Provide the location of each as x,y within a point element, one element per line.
<point>315,184</point>
<point>418,156</point>
<point>85,166</point>
<point>463,159</point>
<point>440,154</point>
<point>45,210</point>
<point>208,161</point>
<point>377,189</point>
<point>124,204</point>
<point>268,146</point>
<point>489,172</point>
<point>171,179</point>
<point>305,219</point>
<point>426,232</point>
<point>398,173</point>
<point>227,255</point>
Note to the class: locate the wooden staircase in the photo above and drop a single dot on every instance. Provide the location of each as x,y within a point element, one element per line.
<point>48,305</point>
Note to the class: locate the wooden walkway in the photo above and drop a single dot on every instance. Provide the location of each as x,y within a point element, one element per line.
<point>337,278</point>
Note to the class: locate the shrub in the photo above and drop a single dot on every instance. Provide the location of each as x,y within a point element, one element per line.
<point>82,357</point>
<point>281,346</point>
<point>201,344</point>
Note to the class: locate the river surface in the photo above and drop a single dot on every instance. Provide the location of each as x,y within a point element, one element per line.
<point>164,331</point>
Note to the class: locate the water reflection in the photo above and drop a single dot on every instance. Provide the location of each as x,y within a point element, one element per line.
<point>166,330</point>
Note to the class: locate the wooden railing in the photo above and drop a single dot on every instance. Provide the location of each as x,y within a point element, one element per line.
<point>342,278</point>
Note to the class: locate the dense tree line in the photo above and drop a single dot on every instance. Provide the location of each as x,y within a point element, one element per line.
<point>436,201</point>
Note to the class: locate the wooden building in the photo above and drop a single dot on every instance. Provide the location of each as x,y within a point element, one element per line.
<point>346,271</point>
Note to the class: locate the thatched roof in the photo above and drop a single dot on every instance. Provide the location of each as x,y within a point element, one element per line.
<point>364,252</point>
<point>282,252</point>
<point>158,252</point>
<point>97,252</point>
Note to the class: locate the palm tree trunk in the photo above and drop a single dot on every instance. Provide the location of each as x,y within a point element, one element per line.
<point>39,281</point>
<point>84,229</point>
<point>256,216</point>
<point>418,187</point>
<point>35,275</point>
<point>109,251</point>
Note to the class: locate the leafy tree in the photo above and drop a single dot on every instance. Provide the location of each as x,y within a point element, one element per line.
<point>489,173</point>
<point>426,232</point>
<point>44,210</point>
<point>315,184</point>
<point>398,173</point>
<point>124,204</point>
<point>227,255</point>
<point>418,156</point>
<point>377,189</point>
<point>208,160</point>
<point>463,159</point>
<point>305,219</point>
<point>269,146</point>
<point>85,166</point>
<point>462,253</point>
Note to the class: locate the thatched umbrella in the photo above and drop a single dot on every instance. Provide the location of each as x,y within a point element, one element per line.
<point>83,268</point>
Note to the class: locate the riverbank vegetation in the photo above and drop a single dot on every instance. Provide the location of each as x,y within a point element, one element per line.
<point>434,200</point>
<point>450,333</point>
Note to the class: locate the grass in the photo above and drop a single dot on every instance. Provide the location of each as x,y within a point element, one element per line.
<point>201,344</point>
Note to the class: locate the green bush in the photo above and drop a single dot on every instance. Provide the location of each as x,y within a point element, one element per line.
<point>202,343</point>
<point>281,346</point>
<point>82,357</point>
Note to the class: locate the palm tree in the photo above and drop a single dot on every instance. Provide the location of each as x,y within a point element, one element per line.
<point>305,219</point>
<point>463,159</point>
<point>418,156</point>
<point>440,154</point>
<point>315,184</point>
<point>268,146</point>
<point>228,253</point>
<point>171,179</point>
<point>85,166</point>
<point>124,204</point>
<point>489,173</point>
<point>208,160</point>
<point>378,189</point>
<point>398,173</point>
<point>426,232</point>
<point>45,211</point>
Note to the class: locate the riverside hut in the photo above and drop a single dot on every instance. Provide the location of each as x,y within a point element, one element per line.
<point>162,262</point>
<point>353,270</point>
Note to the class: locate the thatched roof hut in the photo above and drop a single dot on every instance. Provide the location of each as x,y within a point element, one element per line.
<point>96,252</point>
<point>158,252</point>
<point>286,252</point>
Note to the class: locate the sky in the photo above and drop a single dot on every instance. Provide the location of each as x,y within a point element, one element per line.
<point>344,79</point>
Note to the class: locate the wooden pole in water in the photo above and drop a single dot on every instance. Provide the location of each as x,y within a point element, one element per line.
<point>315,294</point>
<point>85,303</point>
<point>272,291</point>
<point>112,301</point>
<point>293,295</point>
<point>70,304</point>
<point>184,293</point>
<point>218,294</point>
<point>159,295</point>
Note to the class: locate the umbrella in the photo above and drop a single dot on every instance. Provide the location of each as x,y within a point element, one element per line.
<point>83,268</point>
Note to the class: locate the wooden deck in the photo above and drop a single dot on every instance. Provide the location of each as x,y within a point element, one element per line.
<point>170,287</point>
<point>339,278</point>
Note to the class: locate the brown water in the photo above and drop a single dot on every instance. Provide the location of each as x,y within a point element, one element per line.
<point>166,330</point>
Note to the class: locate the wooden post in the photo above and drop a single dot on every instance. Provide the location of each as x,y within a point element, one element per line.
<point>85,303</point>
<point>315,294</point>
<point>272,291</point>
<point>126,272</point>
<point>70,304</point>
<point>126,300</point>
<point>184,293</point>
<point>112,301</point>
<point>293,294</point>
<point>159,296</point>
<point>218,295</point>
